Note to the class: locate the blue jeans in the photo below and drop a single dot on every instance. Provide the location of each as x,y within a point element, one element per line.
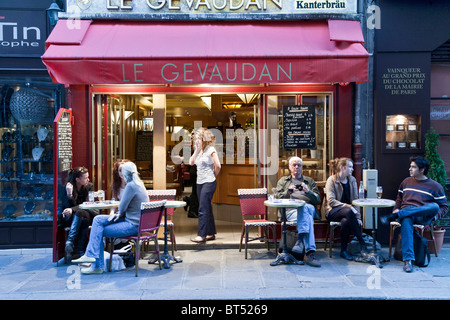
<point>101,227</point>
<point>414,215</point>
<point>304,217</point>
<point>206,224</point>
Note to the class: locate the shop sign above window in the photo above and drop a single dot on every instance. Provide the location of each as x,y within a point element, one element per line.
<point>203,9</point>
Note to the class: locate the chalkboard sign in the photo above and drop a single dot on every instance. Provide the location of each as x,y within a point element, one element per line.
<point>299,127</point>
<point>144,146</point>
<point>64,129</point>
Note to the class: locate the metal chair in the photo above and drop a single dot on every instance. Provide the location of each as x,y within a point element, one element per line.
<point>252,204</point>
<point>420,227</point>
<point>332,225</point>
<point>150,221</point>
<point>169,194</point>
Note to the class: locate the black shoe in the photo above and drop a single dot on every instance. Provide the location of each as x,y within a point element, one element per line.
<point>386,220</point>
<point>68,251</point>
<point>346,256</point>
<point>187,200</point>
<point>408,266</point>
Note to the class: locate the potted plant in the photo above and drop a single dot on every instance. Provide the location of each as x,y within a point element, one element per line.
<point>438,173</point>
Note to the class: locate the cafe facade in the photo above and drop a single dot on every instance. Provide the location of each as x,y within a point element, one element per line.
<point>139,76</point>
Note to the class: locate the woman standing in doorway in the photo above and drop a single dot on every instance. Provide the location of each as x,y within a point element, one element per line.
<point>208,167</point>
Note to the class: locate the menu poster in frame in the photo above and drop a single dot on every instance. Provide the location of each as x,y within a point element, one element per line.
<point>63,130</point>
<point>299,127</point>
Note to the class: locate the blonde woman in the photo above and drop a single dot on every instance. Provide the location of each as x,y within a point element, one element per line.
<point>121,224</point>
<point>208,167</point>
<point>341,189</point>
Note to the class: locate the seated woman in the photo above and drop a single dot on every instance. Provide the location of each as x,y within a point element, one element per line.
<point>341,189</point>
<point>121,224</point>
<point>76,192</point>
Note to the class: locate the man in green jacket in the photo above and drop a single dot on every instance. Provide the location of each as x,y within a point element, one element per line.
<point>297,186</point>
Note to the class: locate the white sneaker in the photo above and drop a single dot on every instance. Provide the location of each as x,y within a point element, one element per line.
<point>84,259</point>
<point>91,271</point>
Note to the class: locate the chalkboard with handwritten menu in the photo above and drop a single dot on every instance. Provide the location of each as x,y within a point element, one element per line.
<point>299,127</point>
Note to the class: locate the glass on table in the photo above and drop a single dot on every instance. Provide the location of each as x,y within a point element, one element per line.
<point>91,196</point>
<point>379,192</point>
<point>101,195</point>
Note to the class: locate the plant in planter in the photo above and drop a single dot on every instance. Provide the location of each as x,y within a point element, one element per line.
<point>438,173</point>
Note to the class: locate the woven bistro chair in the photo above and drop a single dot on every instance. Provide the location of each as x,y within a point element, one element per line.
<point>169,194</point>
<point>420,227</point>
<point>149,223</point>
<point>252,205</point>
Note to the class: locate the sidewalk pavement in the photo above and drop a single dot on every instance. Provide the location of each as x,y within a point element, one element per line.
<point>223,274</point>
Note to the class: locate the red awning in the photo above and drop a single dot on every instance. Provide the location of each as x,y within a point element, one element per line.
<point>189,52</point>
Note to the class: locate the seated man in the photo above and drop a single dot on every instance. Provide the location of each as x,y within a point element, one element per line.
<point>419,200</point>
<point>289,186</point>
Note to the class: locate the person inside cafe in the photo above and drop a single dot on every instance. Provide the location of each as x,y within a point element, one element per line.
<point>341,189</point>
<point>76,192</point>
<point>298,186</point>
<point>419,201</point>
<point>208,167</point>
<point>123,223</point>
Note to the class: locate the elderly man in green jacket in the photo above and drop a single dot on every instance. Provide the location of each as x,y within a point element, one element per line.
<point>297,186</point>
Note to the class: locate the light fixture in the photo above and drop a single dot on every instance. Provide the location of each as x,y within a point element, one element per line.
<point>232,106</point>
<point>207,101</point>
<point>52,13</point>
<point>247,97</point>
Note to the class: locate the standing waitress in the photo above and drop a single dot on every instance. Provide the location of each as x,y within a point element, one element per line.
<point>208,167</point>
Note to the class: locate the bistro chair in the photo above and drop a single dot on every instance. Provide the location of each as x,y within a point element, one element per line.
<point>169,194</point>
<point>332,225</point>
<point>150,221</point>
<point>419,227</point>
<point>252,205</point>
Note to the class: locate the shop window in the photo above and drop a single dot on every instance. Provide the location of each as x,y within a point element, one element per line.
<point>26,146</point>
<point>403,132</point>
<point>316,152</point>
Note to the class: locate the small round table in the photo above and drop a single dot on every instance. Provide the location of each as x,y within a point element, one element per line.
<point>166,257</point>
<point>283,204</point>
<point>107,204</point>
<point>374,203</point>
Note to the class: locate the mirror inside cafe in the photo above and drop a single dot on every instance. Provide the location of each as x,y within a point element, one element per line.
<point>249,140</point>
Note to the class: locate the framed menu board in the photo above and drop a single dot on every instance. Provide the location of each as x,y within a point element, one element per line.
<point>299,127</point>
<point>63,132</point>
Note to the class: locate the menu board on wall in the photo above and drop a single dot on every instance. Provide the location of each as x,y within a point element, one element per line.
<point>64,129</point>
<point>144,146</point>
<point>299,127</point>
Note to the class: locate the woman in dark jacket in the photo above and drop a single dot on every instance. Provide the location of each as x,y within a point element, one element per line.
<point>77,192</point>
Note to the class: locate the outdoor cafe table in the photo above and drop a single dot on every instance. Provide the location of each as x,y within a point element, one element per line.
<point>108,204</point>
<point>282,204</point>
<point>374,203</point>
<point>166,257</point>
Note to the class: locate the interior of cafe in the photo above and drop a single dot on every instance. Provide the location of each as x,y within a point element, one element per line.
<point>251,123</point>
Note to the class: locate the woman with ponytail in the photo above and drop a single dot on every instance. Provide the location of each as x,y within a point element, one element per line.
<point>341,189</point>
<point>123,223</point>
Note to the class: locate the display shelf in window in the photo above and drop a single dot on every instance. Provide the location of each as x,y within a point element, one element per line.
<point>402,133</point>
<point>26,173</point>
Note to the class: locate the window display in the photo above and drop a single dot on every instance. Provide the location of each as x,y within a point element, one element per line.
<point>26,151</point>
<point>402,132</point>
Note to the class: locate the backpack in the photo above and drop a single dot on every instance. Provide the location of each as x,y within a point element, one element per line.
<point>421,252</point>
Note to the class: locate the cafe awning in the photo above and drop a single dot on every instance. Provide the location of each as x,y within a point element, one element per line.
<point>192,52</point>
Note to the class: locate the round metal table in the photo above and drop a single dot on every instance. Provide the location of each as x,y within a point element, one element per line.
<point>282,204</point>
<point>373,257</point>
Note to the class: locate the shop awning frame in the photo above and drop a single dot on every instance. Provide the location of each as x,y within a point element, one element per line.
<point>190,52</point>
